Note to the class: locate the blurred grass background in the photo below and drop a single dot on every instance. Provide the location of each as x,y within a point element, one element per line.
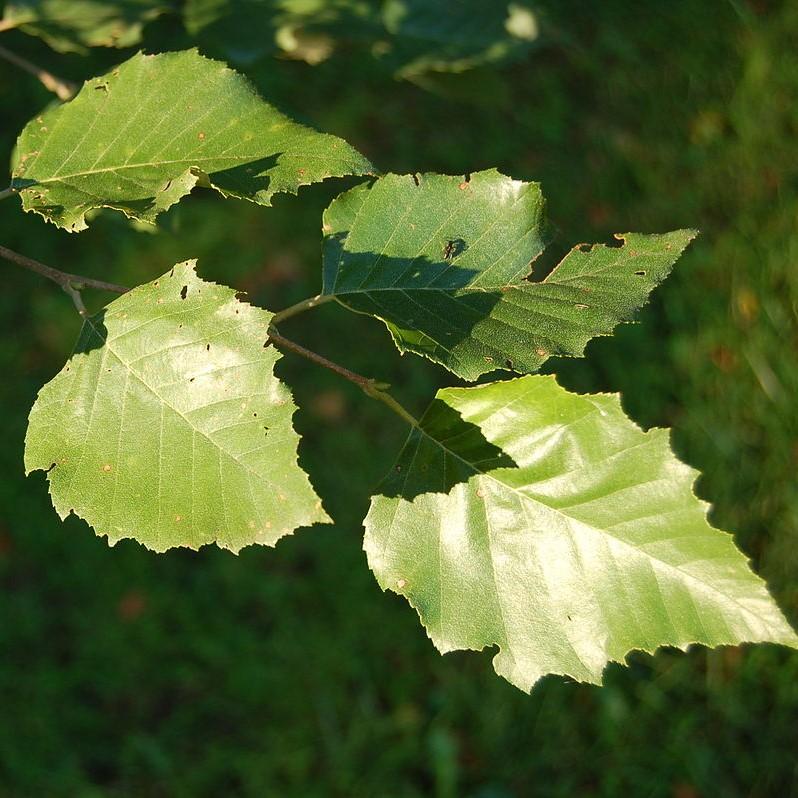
<point>286,672</point>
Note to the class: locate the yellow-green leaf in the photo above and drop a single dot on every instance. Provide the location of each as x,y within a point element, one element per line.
<point>167,424</point>
<point>522,516</point>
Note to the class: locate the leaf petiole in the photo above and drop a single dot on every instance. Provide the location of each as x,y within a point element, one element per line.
<point>301,307</point>
<point>371,387</point>
<point>72,284</point>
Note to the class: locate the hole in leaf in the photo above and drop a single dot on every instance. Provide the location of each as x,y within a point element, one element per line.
<point>640,273</point>
<point>183,292</point>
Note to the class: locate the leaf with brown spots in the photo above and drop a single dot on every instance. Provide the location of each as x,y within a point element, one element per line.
<point>445,263</point>
<point>151,433</point>
<point>143,136</point>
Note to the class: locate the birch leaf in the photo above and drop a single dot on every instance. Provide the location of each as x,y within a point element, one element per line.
<point>167,424</point>
<point>522,516</point>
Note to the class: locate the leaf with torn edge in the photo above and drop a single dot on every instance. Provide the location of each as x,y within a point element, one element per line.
<point>522,516</point>
<point>167,424</point>
<point>141,137</point>
<point>443,261</point>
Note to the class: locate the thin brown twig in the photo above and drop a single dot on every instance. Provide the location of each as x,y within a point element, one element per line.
<point>376,390</point>
<point>71,283</point>
<point>63,89</point>
<point>74,283</point>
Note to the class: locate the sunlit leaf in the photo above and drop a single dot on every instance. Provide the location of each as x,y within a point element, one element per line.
<point>141,137</point>
<point>167,424</point>
<point>522,516</point>
<point>444,260</point>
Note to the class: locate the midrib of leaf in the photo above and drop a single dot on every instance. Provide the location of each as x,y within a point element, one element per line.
<point>59,178</point>
<point>177,412</point>
<point>521,497</point>
<point>521,284</point>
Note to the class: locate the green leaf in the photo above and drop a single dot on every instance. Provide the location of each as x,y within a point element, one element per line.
<point>246,30</point>
<point>522,516</point>
<point>141,137</point>
<point>456,35</point>
<point>409,36</point>
<point>75,25</point>
<point>443,260</point>
<point>167,424</point>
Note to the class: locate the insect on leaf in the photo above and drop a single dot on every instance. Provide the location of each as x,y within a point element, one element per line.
<point>444,262</point>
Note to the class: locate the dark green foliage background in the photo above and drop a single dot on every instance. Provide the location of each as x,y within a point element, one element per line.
<point>286,672</point>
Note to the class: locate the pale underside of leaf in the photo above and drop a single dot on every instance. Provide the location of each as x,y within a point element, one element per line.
<point>522,516</point>
<point>75,25</point>
<point>141,137</point>
<point>167,425</point>
<point>444,261</point>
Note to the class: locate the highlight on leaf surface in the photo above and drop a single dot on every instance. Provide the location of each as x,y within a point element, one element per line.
<point>443,261</point>
<point>456,35</point>
<point>167,424</point>
<point>547,523</point>
<point>142,136</point>
<point>76,25</point>
<point>411,37</point>
<point>246,30</point>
